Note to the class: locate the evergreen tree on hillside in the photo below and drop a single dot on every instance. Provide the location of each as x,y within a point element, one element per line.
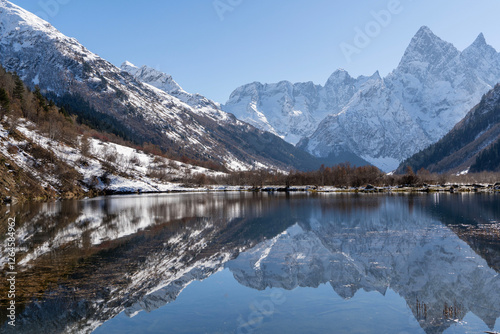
<point>4,101</point>
<point>42,102</point>
<point>18,88</point>
<point>488,160</point>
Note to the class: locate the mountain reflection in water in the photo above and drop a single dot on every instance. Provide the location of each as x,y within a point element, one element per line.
<point>80,263</point>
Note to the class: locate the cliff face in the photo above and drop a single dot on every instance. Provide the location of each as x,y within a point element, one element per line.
<point>472,145</point>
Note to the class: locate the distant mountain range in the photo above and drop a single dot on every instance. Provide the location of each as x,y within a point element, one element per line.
<point>382,120</point>
<point>178,122</point>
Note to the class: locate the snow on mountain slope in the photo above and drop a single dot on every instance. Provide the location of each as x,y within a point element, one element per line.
<point>382,120</point>
<point>293,111</point>
<point>419,102</point>
<point>166,83</point>
<point>181,123</point>
<point>466,147</point>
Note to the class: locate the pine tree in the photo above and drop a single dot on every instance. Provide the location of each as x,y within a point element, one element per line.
<point>4,101</point>
<point>18,88</point>
<point>42,102</point>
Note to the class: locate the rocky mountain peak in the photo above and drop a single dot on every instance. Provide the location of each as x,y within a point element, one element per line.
<point>338,77</point>
<point>480,40</point>
<point>153,77</point>
<point>427,49</point>
<point>129,67</point>
<point>382,120</point>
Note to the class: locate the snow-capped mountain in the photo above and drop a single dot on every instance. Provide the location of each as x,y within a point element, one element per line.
<point>294,111</point>
<point>382,120</point>
<point>181,123</point>
<point>166,83</point>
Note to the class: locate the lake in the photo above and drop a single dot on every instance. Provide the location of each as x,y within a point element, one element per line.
<point>255,263</point>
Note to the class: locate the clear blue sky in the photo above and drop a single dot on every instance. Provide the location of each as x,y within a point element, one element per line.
<point>261,40</point>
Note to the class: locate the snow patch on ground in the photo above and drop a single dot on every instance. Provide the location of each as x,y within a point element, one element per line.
<point>133,170</point>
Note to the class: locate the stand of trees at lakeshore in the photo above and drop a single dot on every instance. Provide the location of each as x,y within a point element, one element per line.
<point>340,176</point>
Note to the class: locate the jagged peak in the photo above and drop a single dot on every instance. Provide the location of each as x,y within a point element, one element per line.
<point>375,76</point>
<point>339,76</point>
<point>126,63</point>
<point>426,47</point>
<point>424,30</point>
<point>129,68</point>
<point>158,79</point>
<point>480,40</point>
<point>144,70</point>
<point>480,43</point>
<point>147,70</point>
<point>425,38</point>
<point>479,48</point>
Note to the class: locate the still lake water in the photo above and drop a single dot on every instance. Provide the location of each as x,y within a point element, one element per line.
<point>257,263</point>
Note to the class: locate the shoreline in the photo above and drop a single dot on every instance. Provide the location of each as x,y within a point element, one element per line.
<point>368,189</point>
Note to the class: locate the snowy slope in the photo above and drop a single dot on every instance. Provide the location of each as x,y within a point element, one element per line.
<point>130,170</point>
<point>430,91</point>
<point>458,150</point>
<point>166,84</point>
<point>383,120</point>
<point>293,111</point>
<point>165,115</point>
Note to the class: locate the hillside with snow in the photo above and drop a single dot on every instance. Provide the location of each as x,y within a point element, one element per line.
<point>178,122</point>
<point>105,168</point>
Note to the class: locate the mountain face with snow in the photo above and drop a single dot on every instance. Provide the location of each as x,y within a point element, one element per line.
<point>159,112</point>
<point>382,120</point>
<point>294,111</point>
<point>166,83</point>
<point>472,145</point>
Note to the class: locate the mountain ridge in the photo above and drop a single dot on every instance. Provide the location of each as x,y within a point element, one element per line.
<point>59,65</point>
<point>382,120</point>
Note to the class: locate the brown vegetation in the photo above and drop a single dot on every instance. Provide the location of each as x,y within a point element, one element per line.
<point>345,176</point>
